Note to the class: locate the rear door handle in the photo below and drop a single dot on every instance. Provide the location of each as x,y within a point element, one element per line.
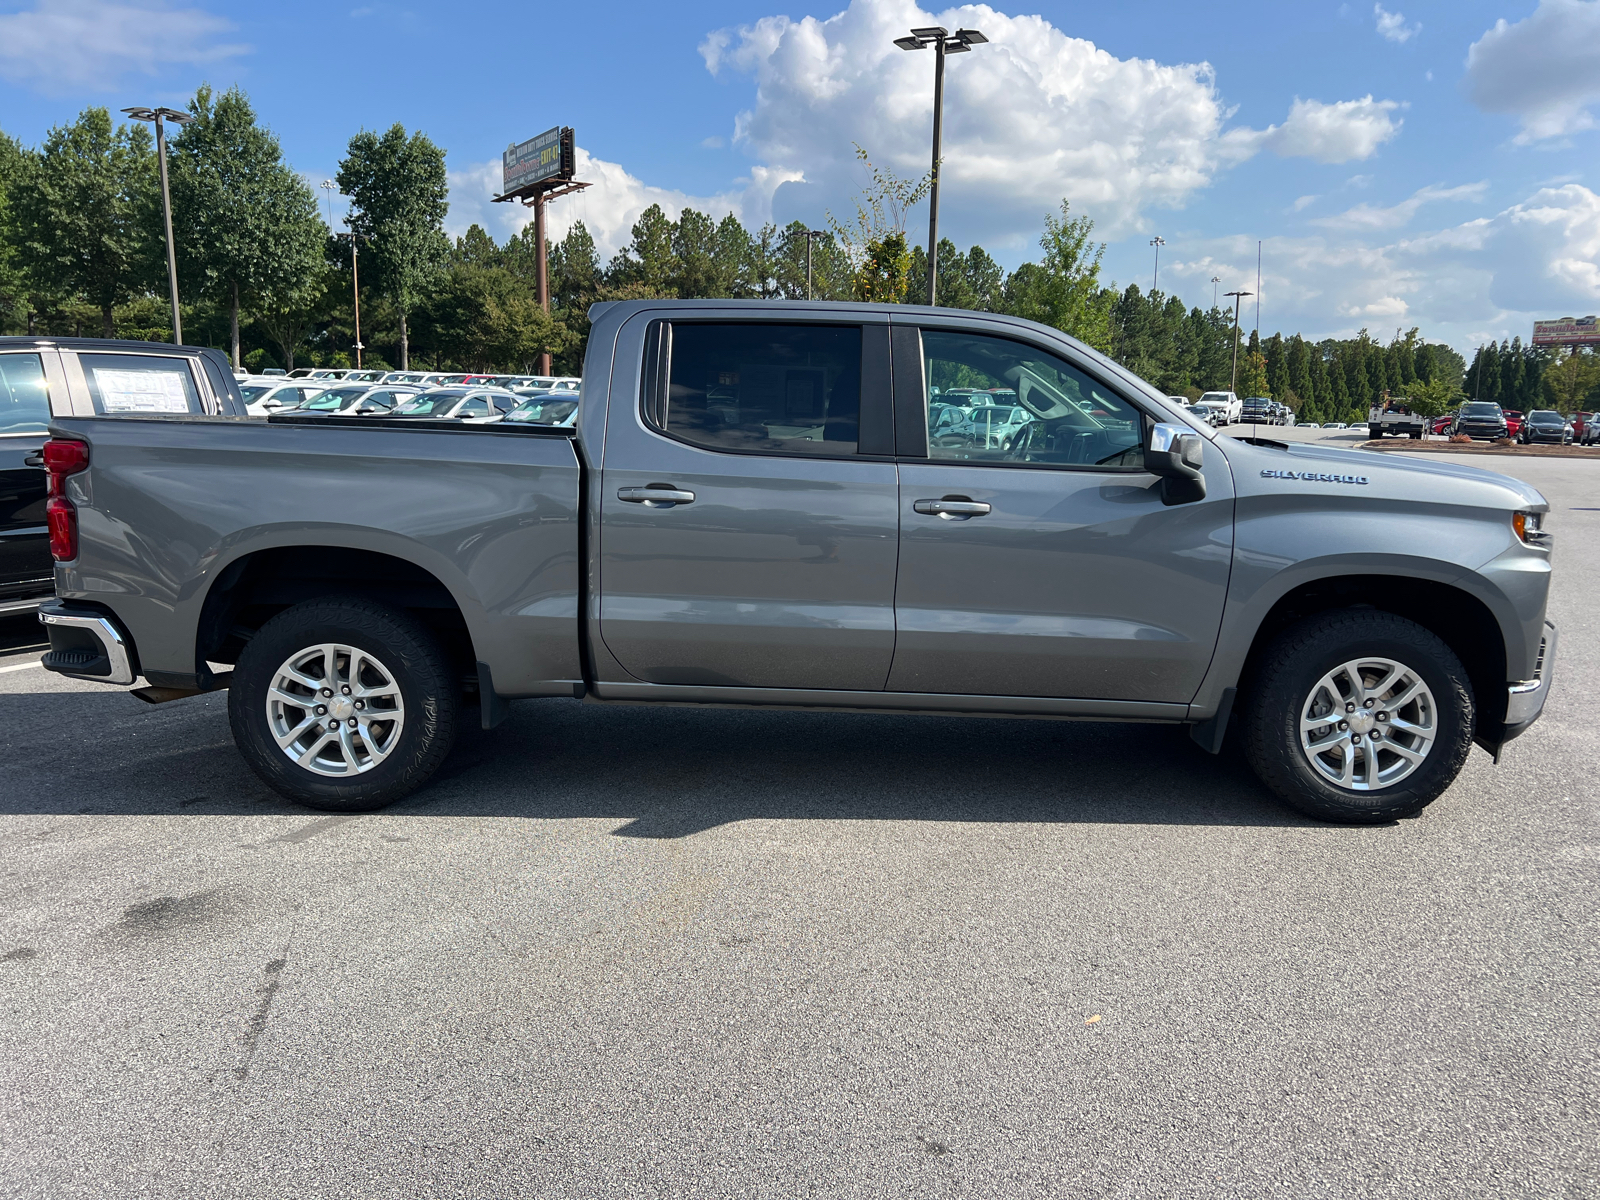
<point>655,497</point>
<point>951,509</point>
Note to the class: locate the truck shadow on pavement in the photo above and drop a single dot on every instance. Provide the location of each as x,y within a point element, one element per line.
<point>661,773</point>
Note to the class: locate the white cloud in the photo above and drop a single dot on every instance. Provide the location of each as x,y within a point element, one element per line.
<point>608,209</point>
<point>1371,216</point>
<point>1485,277</point>
<point>1030,118</point>
<point>59,46</point>
<point>1543,70</point>
<point>1304,202</point>
<point>1392,25</point>
<point>1345,131</point>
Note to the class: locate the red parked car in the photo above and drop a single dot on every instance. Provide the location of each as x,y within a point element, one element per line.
<point>1442,424</point>
<point>1513,423</point>
<point>1582,428</point>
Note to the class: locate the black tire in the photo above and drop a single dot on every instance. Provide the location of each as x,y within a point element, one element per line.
<point>1291,666</point>
<point>406,650</point>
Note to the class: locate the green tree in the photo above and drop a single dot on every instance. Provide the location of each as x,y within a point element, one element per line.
<point>1434,397</point>
<point>399,194</point>
<point>1064,290</point>
<point>1569,381</point>
<point>245,224</point>
<point>885,270</point>
<point>14,162</point>
<point>84,213</point>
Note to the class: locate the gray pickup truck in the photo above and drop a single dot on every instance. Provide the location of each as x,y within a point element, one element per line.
<point>750,511</point>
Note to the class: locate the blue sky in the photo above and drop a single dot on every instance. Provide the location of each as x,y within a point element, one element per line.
<point>1404,164</point>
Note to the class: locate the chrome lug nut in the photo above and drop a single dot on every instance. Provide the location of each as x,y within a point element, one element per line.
<point>354,723</point>
<point>327,691</point>
<point>360,704</point>
<point>1355,739</point>
<point>333,726</point>
<point>1344,725</point>
<point>1376,734</point>
<point>1383,716</point>
<point>1364,703</point>
<point>322,710</point>
<point>346,690</point>
<point>1350,707</point>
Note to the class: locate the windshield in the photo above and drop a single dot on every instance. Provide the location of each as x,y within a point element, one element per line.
<point>1545,415</point>
<point>428,404</point>
<point>333,400</point>
<point>1214,398</point>
<point>542,411</point>
<point>1480,408</point>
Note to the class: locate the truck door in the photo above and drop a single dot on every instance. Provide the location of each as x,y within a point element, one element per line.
<point>749,504</point>
<point>1049,568</point>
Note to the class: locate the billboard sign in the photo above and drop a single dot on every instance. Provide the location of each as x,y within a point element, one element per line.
<point>548,156</point>
<point>1568,331</point>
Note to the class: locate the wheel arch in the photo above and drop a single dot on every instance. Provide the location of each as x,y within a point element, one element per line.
<point>1457,616</point>
<point>259,583</point>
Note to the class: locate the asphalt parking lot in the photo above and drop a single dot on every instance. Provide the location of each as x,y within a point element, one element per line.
<point>654,952</point>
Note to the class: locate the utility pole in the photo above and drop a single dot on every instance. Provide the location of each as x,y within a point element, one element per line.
<point>1258,289</point>
<point>1233,382</point>
<point>1215,279</point>
<point>943,43</point>
<point>355,285</point>
<point>810,235</point>
<point>156,115</point>
<point>1155,278</point>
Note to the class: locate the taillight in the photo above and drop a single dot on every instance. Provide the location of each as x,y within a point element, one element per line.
<point>63,457</point>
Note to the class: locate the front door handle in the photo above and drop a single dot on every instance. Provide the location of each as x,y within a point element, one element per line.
<point>952,508</point>
<point>655,497</point>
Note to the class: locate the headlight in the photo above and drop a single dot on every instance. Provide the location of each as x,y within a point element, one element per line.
<point>1530,528</point>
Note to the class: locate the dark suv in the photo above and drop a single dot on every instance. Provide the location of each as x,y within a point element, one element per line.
<point>1481,419</point>
<point>1546,425</point>
<point>42,378</point>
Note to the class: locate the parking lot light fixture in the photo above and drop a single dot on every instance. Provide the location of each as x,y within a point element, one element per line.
<point>1158,241</point>
<point>938,37</point>
<point>158,116</point>
<point>1233,381</point>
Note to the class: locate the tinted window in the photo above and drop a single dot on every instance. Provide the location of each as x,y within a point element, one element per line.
<point>476,407</point>
<point>1480,409</point>
<point>138,383</point>
<point>24,395</point>
<point>1061,417</point>
<point>773,388</point>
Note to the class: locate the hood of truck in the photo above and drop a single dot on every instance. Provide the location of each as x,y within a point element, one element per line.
<point>1370,473</point>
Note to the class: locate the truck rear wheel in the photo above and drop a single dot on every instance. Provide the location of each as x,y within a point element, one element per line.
<point>343,704</point>
<point>1359,716</point>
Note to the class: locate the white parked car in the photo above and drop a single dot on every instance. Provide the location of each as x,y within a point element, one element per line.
<point>1228,406</point>
<point>473,405</point>
<point>263,397</point>
<point>1336,425</point>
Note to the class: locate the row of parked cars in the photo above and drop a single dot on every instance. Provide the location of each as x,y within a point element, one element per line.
<point>1484,420</point>
<point>463,398</point>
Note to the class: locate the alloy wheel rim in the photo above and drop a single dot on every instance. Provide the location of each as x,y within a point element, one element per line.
<point>335,710</point>
<point>1368,724</point>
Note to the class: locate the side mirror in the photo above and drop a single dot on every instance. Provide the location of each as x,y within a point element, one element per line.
<point>1175,453</point>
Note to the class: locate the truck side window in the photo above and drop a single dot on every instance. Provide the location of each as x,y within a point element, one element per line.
<point>129,384</point>
<point>777,389</point>
<point>993,400</point>
<point>24,396</point>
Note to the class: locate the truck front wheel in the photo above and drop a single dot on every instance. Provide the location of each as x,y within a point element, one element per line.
<point>343,705</point>
<point>1359,716</point>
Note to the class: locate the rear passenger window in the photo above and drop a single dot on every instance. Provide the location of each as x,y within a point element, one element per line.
<point>24,398</point>
<point>785,389</point>
<point>131,384</point>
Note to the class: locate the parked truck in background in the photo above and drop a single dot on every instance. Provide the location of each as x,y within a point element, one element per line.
<point>750,511</point>
<point>1393,416</point>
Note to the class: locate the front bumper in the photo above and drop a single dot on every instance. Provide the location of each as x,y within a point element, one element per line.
<point>1525,698</point>
<point>87,643</point>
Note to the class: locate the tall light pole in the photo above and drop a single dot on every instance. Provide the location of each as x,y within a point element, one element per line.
<point>355,284</point>
<point>327,186</point>
<point>1215,279</point>
<point>157,115</point>
<point>1158,241</point>
<point>943,43</point>
<point>1233,382</point>
<point>811,236</point>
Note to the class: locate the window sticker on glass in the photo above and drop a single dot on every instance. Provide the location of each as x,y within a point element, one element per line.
<point>142,391</point>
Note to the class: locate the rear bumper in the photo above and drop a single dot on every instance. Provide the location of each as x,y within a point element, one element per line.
<point>87,643</point>
<point>1525,698</point>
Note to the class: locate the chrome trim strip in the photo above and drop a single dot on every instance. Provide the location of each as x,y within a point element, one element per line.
<point>1525,699</point>
<point>109,636</point>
